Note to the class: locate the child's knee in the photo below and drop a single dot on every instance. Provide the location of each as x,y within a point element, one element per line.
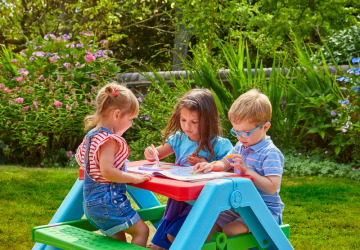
<point>235,228</point>
<point>144,229</point>
<point>170,237</point>
<point>139,229</point>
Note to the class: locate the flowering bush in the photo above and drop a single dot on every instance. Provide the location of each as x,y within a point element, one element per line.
<point>335,117</point>
<point>346,117</point>
<point>45,93</point>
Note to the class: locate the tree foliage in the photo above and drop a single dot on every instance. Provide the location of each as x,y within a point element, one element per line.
<point>267,24</point>
<point>143,30</point>
<point>130,26</point>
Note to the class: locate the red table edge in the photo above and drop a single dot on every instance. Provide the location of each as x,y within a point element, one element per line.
<point>175,189</point>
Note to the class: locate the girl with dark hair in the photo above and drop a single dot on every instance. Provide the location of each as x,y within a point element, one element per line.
<point>193,134</point>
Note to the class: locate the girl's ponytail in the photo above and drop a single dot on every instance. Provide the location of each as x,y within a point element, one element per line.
<point>112,95</point>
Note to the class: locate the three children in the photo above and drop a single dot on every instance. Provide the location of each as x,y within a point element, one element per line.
<point>193,134</point>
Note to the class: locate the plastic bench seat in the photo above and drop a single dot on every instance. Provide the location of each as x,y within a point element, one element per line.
<point>66,236</point>
<point>78,234</point>
<point>70,237</point>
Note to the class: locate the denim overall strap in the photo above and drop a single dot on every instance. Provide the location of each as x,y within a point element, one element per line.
<point>106,205</point>
<point>87,144</point>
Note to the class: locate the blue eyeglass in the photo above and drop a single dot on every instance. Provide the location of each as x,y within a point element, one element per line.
<point>244,135</point>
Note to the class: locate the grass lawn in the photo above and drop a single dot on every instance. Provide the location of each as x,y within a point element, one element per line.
<point>324,213</point>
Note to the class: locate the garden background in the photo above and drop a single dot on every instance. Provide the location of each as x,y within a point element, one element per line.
<point>56,54</point>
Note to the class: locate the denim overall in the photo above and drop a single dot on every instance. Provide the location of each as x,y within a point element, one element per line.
<point>106,205</point>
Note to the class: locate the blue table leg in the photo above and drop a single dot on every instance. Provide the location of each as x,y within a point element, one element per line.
<point>220,195</point>
<point>143,198</point>
<point>70,209</point>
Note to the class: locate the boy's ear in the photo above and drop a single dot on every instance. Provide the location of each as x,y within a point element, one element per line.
<point>267,126</point>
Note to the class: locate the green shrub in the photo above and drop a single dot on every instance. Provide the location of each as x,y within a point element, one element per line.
<point>304,164</point>
<point>46,92</point>
<point>342,46</point>
<point>310,107</point>
<point>328,106</point>
<point>155,110</point>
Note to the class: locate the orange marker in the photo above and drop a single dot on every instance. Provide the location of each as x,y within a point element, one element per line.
<point>229,156</point>
<point>193,154</point>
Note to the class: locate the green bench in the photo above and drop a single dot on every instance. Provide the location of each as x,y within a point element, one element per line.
<point>78,234</point>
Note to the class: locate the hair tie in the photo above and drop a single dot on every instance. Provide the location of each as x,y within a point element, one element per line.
<point>190,101</point>
<point>115,92</point>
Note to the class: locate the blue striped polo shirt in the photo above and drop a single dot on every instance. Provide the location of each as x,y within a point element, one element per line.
<point>265,159</point>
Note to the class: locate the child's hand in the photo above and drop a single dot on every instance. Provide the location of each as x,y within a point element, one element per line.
<point>192,159</point>
<point>239,163</point>
<point>141,178</point>
<point>149,154</point>
<point>203,166</point>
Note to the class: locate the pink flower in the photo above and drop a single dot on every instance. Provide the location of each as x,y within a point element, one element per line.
<point>20,100</point>
<point>13,60</point>
<point>67,65</point>
<point>41,77</point>
<point>326,152</point>
<point>57,104</point>
<point>26,107</point>
<point>69,154</point>
<point>68,107</point>
<point>70,116</point>
<point>19,79</point>
<point>11,102</point>
<point>353,169</point>
<point>299,153</point>
<point>89,57</point>
<point>19,123</point>
<point>23,71</point>
<point>89,94</point>
<point>52,59</point>
<point>103,42</point>
<point>308,156</point>
<point>35,104</point>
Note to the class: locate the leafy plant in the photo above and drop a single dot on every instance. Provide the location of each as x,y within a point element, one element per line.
<point>45,94</point>
<point>341,46</point>
<point>302,164</point>
<point>155,109</point>
<point>241,79</point>
<point>320,98</point>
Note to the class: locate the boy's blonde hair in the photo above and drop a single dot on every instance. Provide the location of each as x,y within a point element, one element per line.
<point>112,96</point>
<point>252,106</point>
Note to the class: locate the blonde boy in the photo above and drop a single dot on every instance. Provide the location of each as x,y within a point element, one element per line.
<point>254,154</point>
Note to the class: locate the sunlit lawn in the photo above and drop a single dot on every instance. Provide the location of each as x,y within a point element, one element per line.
<point>324,213</point>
